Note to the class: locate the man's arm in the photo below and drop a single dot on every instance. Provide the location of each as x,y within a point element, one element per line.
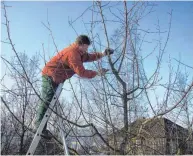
<point>76,64</point>
<point>87,57</point>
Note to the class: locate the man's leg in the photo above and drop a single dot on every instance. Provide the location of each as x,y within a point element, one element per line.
<point>48,90</point>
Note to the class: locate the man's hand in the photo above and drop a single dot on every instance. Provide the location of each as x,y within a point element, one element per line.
<point>102,71</point>
<point>108,51</point>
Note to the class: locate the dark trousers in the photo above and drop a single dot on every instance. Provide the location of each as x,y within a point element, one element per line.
<point>48,90</point>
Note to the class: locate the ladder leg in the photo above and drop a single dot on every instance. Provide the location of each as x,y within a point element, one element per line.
<point>37,136</point>
<point>61,126</point>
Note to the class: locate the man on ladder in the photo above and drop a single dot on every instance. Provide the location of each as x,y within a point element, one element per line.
<point>63,66</point>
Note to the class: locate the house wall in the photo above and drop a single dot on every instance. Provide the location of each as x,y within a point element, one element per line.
<point>158,136</point>
<point>151,146</point>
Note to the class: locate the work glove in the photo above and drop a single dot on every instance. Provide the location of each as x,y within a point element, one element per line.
<point>108,51</point>
<point>102,71</point>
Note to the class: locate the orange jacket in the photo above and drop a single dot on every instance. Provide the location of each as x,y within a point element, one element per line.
<point>68,62</point>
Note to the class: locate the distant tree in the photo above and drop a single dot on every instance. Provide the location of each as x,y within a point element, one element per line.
<point>21,100</point>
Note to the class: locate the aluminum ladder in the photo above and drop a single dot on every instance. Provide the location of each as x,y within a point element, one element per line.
<point>47,115</point>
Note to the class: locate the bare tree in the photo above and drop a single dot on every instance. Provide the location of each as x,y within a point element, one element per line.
<point>99,117</point>
<point>124,93</point>
<point>21,99</point>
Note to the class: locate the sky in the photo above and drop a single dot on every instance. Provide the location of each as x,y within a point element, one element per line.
<point>28,33</point>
